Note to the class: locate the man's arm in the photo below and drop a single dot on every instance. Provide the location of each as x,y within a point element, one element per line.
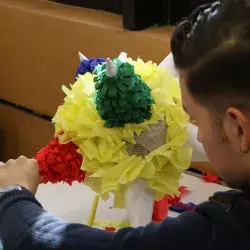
<point>24,225</point>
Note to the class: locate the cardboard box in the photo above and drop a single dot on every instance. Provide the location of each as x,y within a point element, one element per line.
<point>40,42</point>
<point>21,133</point>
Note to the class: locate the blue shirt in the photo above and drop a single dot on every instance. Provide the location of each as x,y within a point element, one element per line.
<point>221,223</point>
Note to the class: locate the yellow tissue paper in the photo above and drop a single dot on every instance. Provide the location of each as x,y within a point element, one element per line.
<point>106,160</point>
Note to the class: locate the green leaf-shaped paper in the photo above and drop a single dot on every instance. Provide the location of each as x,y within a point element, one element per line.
<point>121,95</point>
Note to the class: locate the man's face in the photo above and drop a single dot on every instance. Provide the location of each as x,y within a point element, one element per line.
<point>218,140</point>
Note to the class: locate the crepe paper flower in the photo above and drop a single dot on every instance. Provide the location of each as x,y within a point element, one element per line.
<point>88,65</point>
<point>121,95</point>
<point>60,163</point>
<point>117,153</point>
<point>210,178</point>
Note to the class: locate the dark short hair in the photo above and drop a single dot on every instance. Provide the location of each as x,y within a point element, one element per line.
<point>213,45</point>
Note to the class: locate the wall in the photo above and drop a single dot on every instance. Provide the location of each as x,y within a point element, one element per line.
<point>21,133</point>
<point>38,50</point>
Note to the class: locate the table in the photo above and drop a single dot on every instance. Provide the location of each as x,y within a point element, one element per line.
<point>74,203</point>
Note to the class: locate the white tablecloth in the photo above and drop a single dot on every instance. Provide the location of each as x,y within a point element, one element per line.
<point>74,203</point>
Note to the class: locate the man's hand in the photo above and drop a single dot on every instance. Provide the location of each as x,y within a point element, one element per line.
<point>22,171</point>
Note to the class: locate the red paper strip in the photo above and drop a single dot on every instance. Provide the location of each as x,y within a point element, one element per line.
<point>111,229</point>
<point>160,210</point>
<point>210,178</point>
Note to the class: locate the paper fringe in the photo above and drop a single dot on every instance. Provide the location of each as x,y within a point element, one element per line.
<point>88,65</point>
<point>123,98</point>
<point>60,163</point>
<point>107,163</point>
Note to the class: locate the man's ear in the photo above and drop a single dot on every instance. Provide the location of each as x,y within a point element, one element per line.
<point>238,128</point>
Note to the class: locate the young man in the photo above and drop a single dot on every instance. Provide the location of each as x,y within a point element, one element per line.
<point>211,51</point>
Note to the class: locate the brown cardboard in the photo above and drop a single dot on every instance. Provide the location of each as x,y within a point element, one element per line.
<point>38,50</point>
<point>41,39</point>
<point>21,133</point>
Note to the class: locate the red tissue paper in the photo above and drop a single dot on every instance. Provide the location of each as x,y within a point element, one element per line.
<point>111,229</point>
<point>60,163</point>
<point>210,178</point>
<point>160,210</point>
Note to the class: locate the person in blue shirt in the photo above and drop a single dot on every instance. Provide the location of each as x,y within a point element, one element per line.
<point>211,51</point>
